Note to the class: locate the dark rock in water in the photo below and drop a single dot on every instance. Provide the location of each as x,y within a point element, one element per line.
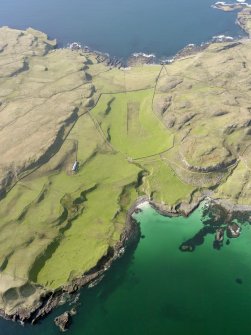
<point>219,237</point>
<point>238,281</point>
<point>73,311</point>
<point>186,247</point>
<point>197,239</point>
<point>51,303</point>
<point>63,321</point>
<point>233,230</point>
<point>217,245</point>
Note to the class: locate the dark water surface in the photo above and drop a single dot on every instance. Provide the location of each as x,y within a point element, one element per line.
<point>121,27</point>
<point>157,289</point>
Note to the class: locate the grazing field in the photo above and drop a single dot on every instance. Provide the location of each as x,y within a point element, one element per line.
<point>163,185</point>
<point>165,132</point>
<point>112,80</point>
<point>75,214</point>
<point>129,125</point>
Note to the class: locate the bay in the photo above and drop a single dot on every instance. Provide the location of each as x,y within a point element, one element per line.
<point>155,288</point>
<point>122,27</point>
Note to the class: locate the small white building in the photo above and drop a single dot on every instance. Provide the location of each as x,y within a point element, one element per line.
<point>75,166</point>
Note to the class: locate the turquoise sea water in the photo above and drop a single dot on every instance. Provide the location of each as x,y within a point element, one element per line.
<point>121,27</point>
<point>157,289</point>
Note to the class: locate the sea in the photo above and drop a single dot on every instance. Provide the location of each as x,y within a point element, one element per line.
<point>155,288</point>
<point>122,27</point>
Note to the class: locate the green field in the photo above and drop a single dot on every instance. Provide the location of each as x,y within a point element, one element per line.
<point>163,185</point>
<point>130,126</point>
<point>68,221</point>
<point>167,132</point>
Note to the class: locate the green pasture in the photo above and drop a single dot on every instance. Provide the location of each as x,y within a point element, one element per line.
<point>54,214</point>
<point>163,185</point>
<point>116,80</point>
<point>128,123</point>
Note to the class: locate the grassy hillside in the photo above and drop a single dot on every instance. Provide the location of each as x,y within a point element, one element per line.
<point>164,131</point>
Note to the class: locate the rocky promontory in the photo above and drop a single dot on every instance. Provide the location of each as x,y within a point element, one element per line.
<point>81,140</point>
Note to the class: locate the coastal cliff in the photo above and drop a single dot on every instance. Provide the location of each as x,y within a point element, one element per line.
<point>82,140</point>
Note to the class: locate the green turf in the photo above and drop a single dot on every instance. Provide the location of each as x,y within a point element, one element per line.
<point>127,121</point>
<point>163,185</point>
<point>90,235</point>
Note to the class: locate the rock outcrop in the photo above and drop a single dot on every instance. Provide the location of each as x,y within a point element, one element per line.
<point>63,321</point>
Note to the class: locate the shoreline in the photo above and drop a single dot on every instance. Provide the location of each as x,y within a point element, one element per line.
<point>130,235</point>
<point>142,58</point>
<point>131,229</point>
<point>51,300</point>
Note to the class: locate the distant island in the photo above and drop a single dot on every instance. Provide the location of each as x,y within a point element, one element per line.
<point>84,142</point>
<point>229,7</point>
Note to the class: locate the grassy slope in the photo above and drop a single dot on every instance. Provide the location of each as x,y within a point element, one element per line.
<point>163,185</point>
<point>95,226</point>
<point>97,222</point>
<point>98,226</point>
<point>127,120</point>
<point>55,224</point>
<point>89,236</point>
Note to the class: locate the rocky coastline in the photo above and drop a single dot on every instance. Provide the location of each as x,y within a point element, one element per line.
<point>243,16</point>
<point>130,235</point>
<point>131,231</point>
<point>51,300</point>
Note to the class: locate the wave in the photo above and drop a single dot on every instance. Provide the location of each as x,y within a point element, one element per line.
<point>79,46</point>
<point>143,204</point>
<point>220,4</point>
<point>168,60</point>
<point>222,38</point>
<point>142,54</point>
<point>74,46</point>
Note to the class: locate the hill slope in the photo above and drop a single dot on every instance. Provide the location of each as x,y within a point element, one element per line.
<point>173,133</point>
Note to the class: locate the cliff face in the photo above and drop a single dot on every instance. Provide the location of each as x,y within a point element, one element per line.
<point>170,133</point>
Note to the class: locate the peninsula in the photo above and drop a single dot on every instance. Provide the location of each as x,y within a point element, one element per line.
<point>82,142</point>
<point>243,16</point>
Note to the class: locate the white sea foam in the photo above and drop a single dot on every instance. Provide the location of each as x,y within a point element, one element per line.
<point>222,3</point>
<point>143,204</point>
<point>222,38</point>
<point>74,46</point>
<point>167,60</point>
<point>142,54</point>
<point>244,3</point>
